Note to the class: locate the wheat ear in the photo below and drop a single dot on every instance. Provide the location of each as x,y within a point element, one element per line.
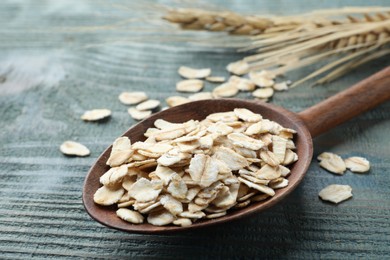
<point>284,44</point>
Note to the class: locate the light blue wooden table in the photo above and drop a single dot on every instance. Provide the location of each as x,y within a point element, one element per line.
<point>59,58</point>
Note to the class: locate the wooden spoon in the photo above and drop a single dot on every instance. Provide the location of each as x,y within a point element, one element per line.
<point>309,123</point>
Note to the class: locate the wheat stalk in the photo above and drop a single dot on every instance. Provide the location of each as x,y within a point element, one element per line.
<point>284,44</point>
<point>195,19</point>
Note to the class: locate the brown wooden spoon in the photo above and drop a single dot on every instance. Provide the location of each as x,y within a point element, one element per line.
<point>309,123</point>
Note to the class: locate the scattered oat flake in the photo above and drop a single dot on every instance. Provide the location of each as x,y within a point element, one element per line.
<point>201,96</point>
<point>74,148</point>
<point>215,79</point>
<point>336,193</point>
<point>191,73</point>
<point>238,68</point>
<point>357,164</point>
<point>137,114</point>
<point>148,105</point>
<point>280,86</point>
<point>263,93</point>
<point>325,156</point>
<point>176,101</point>
<point>263,74</point>
<point>189,85</point>
<point>96,114</point>
<point>225,90</point>
<point>242,83</point>
<point>332,163</point>
<point>263,82</point>
<point>132,98</point>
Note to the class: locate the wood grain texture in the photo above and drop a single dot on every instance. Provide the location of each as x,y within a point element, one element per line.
<point>41,212</point>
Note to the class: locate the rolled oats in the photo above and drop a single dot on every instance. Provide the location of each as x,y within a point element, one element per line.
<point>201,96</point>
<point>239,68</point>
<point>225,90</point>
<point>242,83</point>
<point>332,162</point>
<point>148,105</point>
<point>137,114</point>
<point>336,193</point>
<point>357,164</point>
<point>96,114</point>
<point>215,79</point>
<point>190,73</point>
<point>184,170</point>
<point>189,85</point>
<point>176,101</point>
<point>263,93</point>
<point>132,98</point>
<point>74,148</point>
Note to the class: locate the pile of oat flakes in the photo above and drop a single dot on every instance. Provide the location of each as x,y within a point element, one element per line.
<point>193,170</point>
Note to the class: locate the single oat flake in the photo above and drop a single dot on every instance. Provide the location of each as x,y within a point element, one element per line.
<point>137,114</point>
<point>336,193</point>
<point>132,98</point>
<point>148,105</point>
<point>190,73</point>
<point>201,96</point>
<point>263,93</point>
<point>357,164</point>
<point>74,148</point>
<point>238,68</point>
<point>225,90</point>
<point>215,79</point>
<point>189,85</point>
<point>263,79</point>
<point>96,114</point>
<point>242,83</point>
<point>130,216</point>
<point>332,162</point>
<point>176,101</point>
<point>280,86</point>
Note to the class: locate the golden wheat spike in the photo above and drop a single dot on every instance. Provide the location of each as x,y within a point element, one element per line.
<point>233,23</point>
<point>287,43</point>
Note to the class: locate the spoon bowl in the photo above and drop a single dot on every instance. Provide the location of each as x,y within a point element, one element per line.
<point>199,110</point>
<point>308,124</point>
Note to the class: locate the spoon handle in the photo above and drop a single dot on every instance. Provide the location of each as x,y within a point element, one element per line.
<point>347,104</point>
